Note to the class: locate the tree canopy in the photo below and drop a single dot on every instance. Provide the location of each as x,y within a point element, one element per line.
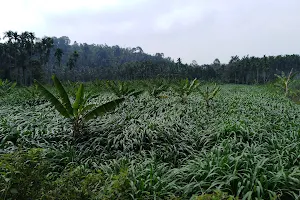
<point>24,57</point>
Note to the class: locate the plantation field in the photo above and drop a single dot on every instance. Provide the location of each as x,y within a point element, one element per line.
<point>244,145</point>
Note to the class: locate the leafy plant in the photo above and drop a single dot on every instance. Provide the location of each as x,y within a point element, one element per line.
<point>283,82</point>
<point>71,88</point>
<point>80,111</point>
<point>23,174</point>
<point>248,147</point>
<point>121,89</point>
<point>31,96</point>
<point>156,88</point>
<point>32,92</point>
<point>217,195</point>
<point>186,87</point>
<point>209,94</point>
<point>6,86</point>
<point>75,182</point>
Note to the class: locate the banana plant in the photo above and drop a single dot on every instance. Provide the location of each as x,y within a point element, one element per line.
<point>31,95</point>
<point>209,94</point>
<point>6,86</point>
<point>284,81</point>
<point>155,89</point>
<point>121,89</point>
<point>79,111</point>
<point>186,87</point>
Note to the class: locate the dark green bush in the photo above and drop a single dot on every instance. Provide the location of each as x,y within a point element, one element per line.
<point>23,174</point>
<point>217,195</point>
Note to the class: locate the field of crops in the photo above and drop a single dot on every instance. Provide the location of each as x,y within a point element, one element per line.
<point>244,145</point>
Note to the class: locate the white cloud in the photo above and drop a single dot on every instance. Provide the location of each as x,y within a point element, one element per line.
<point>16,16</point>
<point>186,16</point>
<point>188,13</point>
<point>21,15</point>
<point>65,6</point>
<point>191,29</point>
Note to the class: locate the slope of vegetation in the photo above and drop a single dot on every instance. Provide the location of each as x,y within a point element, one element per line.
<point>244,145</point>
<point>24,57</point>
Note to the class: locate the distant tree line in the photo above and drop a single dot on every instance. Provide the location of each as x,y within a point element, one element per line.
<point>24,57</point>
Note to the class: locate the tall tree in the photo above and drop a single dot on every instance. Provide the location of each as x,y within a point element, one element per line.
<point>58,55</point>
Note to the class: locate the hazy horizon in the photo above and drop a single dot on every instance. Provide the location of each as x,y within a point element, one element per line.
<point>192,29</point>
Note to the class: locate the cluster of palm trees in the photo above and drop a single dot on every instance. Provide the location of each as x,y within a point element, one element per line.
<point>248,70</point>
<point>23,56</point>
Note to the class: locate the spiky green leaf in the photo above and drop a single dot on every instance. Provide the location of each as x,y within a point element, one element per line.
<point>63,95</point>
<point>87,108</point>
<point>53,100</point>
<point>103,109</point>
<point>78,100</point>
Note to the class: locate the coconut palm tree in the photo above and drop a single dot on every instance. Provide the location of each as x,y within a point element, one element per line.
<point>58,55</point>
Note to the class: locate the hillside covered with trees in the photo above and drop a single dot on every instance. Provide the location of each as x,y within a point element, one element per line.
<point>24,57</point>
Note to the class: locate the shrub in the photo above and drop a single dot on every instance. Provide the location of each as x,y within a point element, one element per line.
<point>23,174</point>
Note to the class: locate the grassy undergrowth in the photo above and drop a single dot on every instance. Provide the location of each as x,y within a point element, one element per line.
<point>245,145</point>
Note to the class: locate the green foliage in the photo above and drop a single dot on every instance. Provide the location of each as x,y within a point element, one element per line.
<point>72,60</point>
<point>209,94</point>
<point>80,110</point>
<point>23,174</point>
<point>75,183</point>
<point>23,57</point>
<point>58,55</point>
<point>11,135</point>
<point>121,89</point>
<point>31,92</point>
<point>157,88</point>
<point>71,88</point>
<point>186,87</point>
<point>247,146</point>
<point>118,188</point>
<point>283,82</point>
<point>217,195</point>
<point>6,86</point>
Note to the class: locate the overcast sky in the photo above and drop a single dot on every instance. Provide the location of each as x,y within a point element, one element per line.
<point>200,30</point>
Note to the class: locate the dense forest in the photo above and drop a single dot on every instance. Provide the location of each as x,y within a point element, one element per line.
<point>24,57</point>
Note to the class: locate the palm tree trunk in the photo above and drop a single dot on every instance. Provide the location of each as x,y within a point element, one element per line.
<point>257,75</point>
